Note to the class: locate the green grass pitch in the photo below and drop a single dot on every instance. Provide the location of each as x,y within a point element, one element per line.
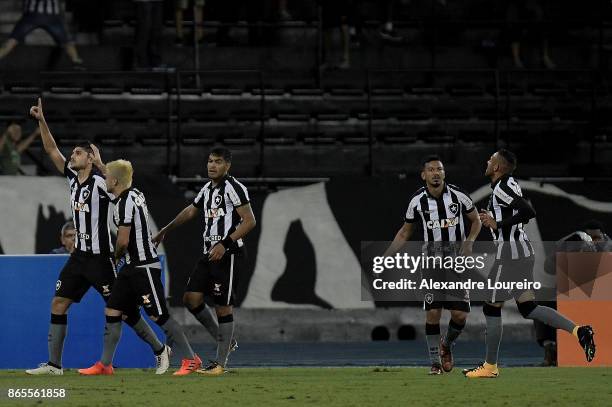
<point>323,387</point>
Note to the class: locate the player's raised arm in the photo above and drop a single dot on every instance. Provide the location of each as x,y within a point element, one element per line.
<point>48,141</point>
<point>185,215</point>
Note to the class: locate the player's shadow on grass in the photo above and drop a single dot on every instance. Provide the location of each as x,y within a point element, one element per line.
<point>297,284</point>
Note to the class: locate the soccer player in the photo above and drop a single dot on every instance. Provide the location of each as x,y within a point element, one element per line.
<point>227,218</point>
<point>514,262</point>
<point>90,264</point>
<point>140,279</point>
<point>440,207</point>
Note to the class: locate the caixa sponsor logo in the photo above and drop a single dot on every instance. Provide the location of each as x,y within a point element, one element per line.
<point>79,206</point>
<point>442,223</point>
<point>214,212</point>
<point>214,238</point>
<point>84,236</point>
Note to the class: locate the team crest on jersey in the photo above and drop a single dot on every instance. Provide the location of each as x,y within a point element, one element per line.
<point>105,290</point>
<point>429,298</point>
<point>86,193</point>
<point>454,208</point>
<point>218,200</point>
<point>146,300</point>
<point>58,285</point>
<point>217,288</point>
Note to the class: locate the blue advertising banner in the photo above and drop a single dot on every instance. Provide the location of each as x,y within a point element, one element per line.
<point>28,284</point>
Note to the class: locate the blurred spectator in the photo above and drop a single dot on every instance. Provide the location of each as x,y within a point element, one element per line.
<point>48,15</point>
<point>11,147</point>
<point>519,12</point>
<point>335,15</point>
<point>198,14</point>
<point>67,236</point>
<point>149,26</point>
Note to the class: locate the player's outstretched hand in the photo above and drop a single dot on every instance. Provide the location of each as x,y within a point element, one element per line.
<point>37,111</point>
<point>216,253</point>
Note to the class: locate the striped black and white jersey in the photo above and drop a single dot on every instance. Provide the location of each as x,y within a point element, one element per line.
<point>218,204</point>
<point>50,7</point>
<point>90,204</point>
<point>131,210</point>
<point>441,218</point>
<point>511,212</point>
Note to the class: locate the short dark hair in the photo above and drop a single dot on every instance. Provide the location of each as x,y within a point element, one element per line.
<point>592,224</point>
<point>430,158</point>
<point>223,152</point>
<point>509,157</point>
<point>85,145</point>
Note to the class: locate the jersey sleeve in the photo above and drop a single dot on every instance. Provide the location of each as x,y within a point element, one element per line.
<point>466,201</point>
<point>510,194</point>
<point>505,194</point>
<point>198,201</point>
<point>69,172</point>
<point>411,212</point>
<point>101,184</point>
<point>238,194</point>
<point>126,211</point>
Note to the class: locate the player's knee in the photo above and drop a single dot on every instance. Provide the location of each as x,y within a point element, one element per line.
<point>223,311</point>
<point>110,312</point>
<point>60,305</point>
<point>196,310</point>
<point>459,317</point>
<point>190,301</point>
<point>526,307</point>
<point>491,310</point>
<point>433,316</point>
<point>193,301</point>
